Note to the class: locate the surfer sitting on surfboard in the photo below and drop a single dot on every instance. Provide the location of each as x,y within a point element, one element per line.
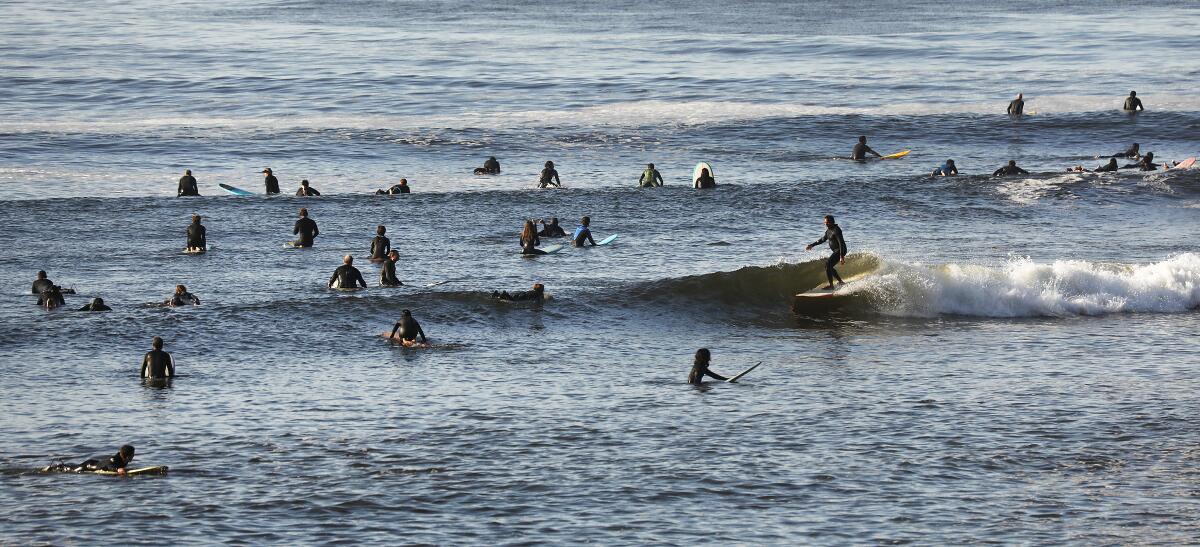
<point>116,463</point>
<point>181,297</point>
<point>408,329</point>
<point>650,177</point>
<point>549,177</point>
<point>837,244</point>
<point>583,232</point>
<point>552,229</point>
<point>306,228</point>
<point>1010,169</point>
<point>347,276</point>
<point>187,185</point>
<point>270,181</point>
<point>538,294</point>
<point>380,244</point>
<point>700,368</point>
<point>387,274</point>
<point>490,167</point>
<point>705,180</point>
<point>861,150</point>
<point>197,239</point>
<point>530,239</point>
<point>947,169</point>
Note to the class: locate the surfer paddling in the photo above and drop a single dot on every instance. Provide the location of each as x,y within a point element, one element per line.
<point>115,463</point>
<point>407,329</point>
<point>538,294</point>
<point>837,244</point>
<point>491,166</point>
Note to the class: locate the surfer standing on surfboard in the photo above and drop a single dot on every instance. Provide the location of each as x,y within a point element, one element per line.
<point>861,150</point>
<point>837,244</point>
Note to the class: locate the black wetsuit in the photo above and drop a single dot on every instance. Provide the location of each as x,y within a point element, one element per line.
<point>529,246</point>
<point>860,152</point>
<point>408,329</point>
<point>699,371</point>
<point>183,299</point>
<point>307,229</point>
<point>197,236</point>
<point>272,184</point>
<point>1009,170</point>
<point>187,186</point>
<point>51,298</point>
<point>549,177</point>
<point>520,296</point>
<point>111,463</point>
<point>552,230</point>
<point>42,285</point>
<point>95,307</point>
<point>706,181</point>
<point>1131,153</point>
<point>158,364</point>
<point>1133,104</point>
<point>1016,107</point>
<point>837,244</point>
<point>387,274</point>
<point>380,247</point>
<point>310,191</point>
<point>1110,166</point>
<point>582,234</point>
<point>346,277</point>
<point>491,167</point>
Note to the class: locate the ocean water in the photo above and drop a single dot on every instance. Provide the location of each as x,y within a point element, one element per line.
<point>1018,366</point>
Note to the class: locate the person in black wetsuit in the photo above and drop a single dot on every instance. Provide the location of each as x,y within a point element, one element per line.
<point>705,180</point>
<point>401,188</point>
<point>271,182</point>
<point>182,297</point>
<point>583,233</point>
<point>1133,152</point>
<point>42,283</point>
<point>306,228</point>
<point>187,185</point>
<point>1145,164</point>
<point>1133,103</point>
<point>549,177</point>
<point>115,463</point>
<point>530,240</point>
<point>490,167</point>
<point>408,328</point>
<point>157,364</point>
<point>1017,106</point>
<point>860,151</point>
<point>552,229</point>
<point>1010,169</point>
<point>97,304</point>
<point>837,244</point>
<point>387,274</point>
<point>1110,166</point>
<point>197,235</point>
<point>51,298</point>
<point>380,245</point>
<point>306,190</point>
<point>700,368</point>
<point>538,294</point>
<point>347,276</point>
<point>650,177</point>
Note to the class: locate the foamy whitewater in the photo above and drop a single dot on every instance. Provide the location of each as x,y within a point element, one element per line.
<point>1014,363</point>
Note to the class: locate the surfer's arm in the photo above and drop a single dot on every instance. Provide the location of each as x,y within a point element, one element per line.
<point>421,333</point>
<point>145,363</point>
<point>359,279</point>
<point>296,228</point>
<point>332,278</point>
<point>170,366</point>
<point>589,238</point>
<point>872,150</point>
<point>394,329</point>
<point>714,375</point>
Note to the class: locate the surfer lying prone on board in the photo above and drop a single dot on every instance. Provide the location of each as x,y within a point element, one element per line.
<point>538,294</point>
<point>407,329</point>
<point>347,276</point>
<point>182,297</point>
<point>115,463</point>
<point>700,368</point>
<point>837,244</point>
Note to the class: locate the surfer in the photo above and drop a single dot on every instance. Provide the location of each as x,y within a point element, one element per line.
<point>271,182</point>
<point>861,150</point>
<point>705,180</point>
<point>1144,164</point>
<point>157,364</point>
<point>51,298</point>
<point>583,232</point>
<point>115,463</point>
<point>408,329</point>
<point>306,228</point>
<point>42,283</point>
<point>1110,166</point>
<point>538,294</point>
<point>552,229</point>
<point>387,274</point>
<point>181,297</point>
<point>97,304</point>
<point>306,190</point>
<point>187,185</point>
<point>346,276</point>
<point>650,177</point>
<point>530,240</point>
<point>549,177</point>
<point>1010,169</point>
<point>1133,152</point>
<point>400,188</point>
<point>837,244</point>
<point>700,368</point>
<point>1133,103</point>
<point>380,245</point>
<point>1017,106</point>
<point>197,239</point>
<point>490,167</point>
<point>947,169</point>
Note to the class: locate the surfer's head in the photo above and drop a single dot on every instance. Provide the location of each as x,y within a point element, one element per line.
<point>394,254</point>
<point>1149,156</point>
<point>41,274</point>
<point>649,166</point>
<point>549,165</point>
<point>1012,163</point>
<point>829,220</point>
<point>381,230</point>
<point>187,172</point>
<point>180,289</point>
<point>304,183</point>
<point>1020,96</point>
<point>949,162</point>
<point>126,453</point>
<point>97,301</point>
<point>703,356</point>
<point>403,182</point>
<point>267,170</point>
<point>539,287</point>
<point>156,343</point>
<point>405,313</point>
<point>585,221</point>
<point>1133,94</point>
<point>196,218</point>
<point>304,212</point>
<point>862,139</point>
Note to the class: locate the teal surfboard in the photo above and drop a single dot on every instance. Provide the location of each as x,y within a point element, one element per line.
<point>608,240</point>
<point>235,190</point>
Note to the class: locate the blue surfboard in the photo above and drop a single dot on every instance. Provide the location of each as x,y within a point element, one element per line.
<point>235,190</point>
<point>608,240</point>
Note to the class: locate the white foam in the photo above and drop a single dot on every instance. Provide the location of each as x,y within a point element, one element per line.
<point>1024,288</point>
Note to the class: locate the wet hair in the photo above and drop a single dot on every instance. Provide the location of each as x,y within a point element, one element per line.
<point>97,301</point>
<point>403,182</point>
<point>586,220</point>
<point>180,289</point>
<point>830,219</point>
<point>549,165</point>
<point>539,287</point>
<point>951,162</point>
<point>156,342</point>
<point>1133,94</point>
<point>528,232</point>
<point>267,170</point>
<point>650,166</point>
<point>381,230</point>
<point>862,139</point>
<point>41,274</point>
<point>304,182</point>
<point>195,218</point>
<point>704,172</point>
<point>1012,163</point>
<point>1136,145</point>
<point>304,211</point>
<point>493,158</point>
<point>1149,156</point>
<point>393,252</point>
<point>405,313</point>
<point>126,452</point>
<point>554,220</point>
<point>187,171</point>
<point>703,356</point>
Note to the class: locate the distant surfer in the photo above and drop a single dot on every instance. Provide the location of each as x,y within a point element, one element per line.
<point>187,185</point>
<point>408,329</point>
<point>1133,103</point>
<point>157,364</point>
<point>380,245</point>
<point>1134,151</point>
<point>1010,169</point>
<point>538,294</point>
<point>51,298</point>
<point>700,368</point>
<point>42,283</point>
<point>491,166</point>
<point>1017,106</point>
<point>530,240</point>
<point>306,190</point>
<point>861,150</point>
<point>1144,164</point>
<point>271,182</point>
<point>1110,166</point>
<point>306,228</point>
<point>583,233</point>
<point>947,169</point>
<point>387,274</point>
<point>182,297</point>
<point>705,180</point>
<point>650,177</point>
<point>347,276</point>
<point>549,177</point>
<point>552,229</point>
<point>398,188</point>
<point>115,463</point>
<point>197,235</point>
<point>97,304</point>
<point>837,244</point>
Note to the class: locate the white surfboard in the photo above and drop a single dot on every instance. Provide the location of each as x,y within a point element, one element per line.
<point>696,173</point>
<point>608,240</point>
<point>743,373</point>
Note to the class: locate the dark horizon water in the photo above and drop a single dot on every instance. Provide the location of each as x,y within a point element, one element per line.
<point>1017,368</point>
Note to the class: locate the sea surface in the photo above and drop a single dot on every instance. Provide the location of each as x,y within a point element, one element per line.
<point>1019,366</point>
